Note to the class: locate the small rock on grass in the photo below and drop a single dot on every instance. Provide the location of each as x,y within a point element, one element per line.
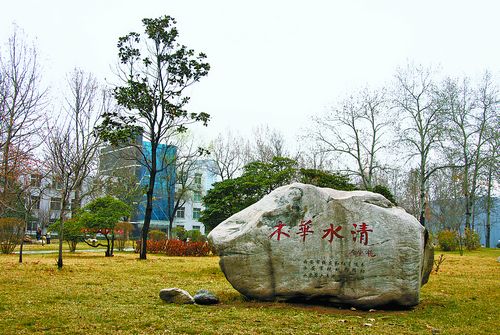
<point>204,297</point>
<point>176,296</point>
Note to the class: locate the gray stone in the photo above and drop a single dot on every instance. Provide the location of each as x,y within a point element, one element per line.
<point>204,297</point>
<point>309,243</point>
<point>176,296</point>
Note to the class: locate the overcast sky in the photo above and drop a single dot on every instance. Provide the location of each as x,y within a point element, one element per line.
<point>274,62</point>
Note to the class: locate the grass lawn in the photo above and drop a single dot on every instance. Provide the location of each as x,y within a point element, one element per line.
<point>97,295</point>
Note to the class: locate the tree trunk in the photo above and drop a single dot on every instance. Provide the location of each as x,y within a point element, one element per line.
<point>149,200</point>
<point>467,194</point>
<point>422,194</point>
<point>148,214</point>
<point>21,245</point>
<point>22,237</point>
<point>488,207</point>
<point>61,236</point>
<point>170,226</point>
<point>77,201</point>
<point>108,251</point>
<point>112,243</point>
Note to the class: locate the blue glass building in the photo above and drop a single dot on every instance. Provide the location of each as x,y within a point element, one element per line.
<point>164,190</point>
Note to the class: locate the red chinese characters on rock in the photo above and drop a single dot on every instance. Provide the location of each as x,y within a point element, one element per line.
<point>362,233</point>
<point>331,232</point>
<point>305,229</point>
<point>279,231</point>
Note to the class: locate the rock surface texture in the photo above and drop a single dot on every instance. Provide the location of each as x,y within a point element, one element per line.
<point>176,296</point>
<point>204,297</point>
<point>302,242</point>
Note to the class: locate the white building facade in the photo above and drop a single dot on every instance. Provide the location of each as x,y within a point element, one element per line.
<point>202,180</point>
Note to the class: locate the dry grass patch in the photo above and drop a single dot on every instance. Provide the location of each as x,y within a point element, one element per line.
<point>96,295</point>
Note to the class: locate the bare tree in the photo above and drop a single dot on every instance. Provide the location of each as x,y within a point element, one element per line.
<point>468,114</point>
<point>61,161</point>
<point>354,131</point>
<point>267,143</point>
<point>22,103</point>
<point>85,102</point>
<point>492,174</point>
<point>72,148</point>
<point>227,153</point>
<point>420,123</point>
<point>445,190</point>
<point>491,168</point>
<point>313,157</point>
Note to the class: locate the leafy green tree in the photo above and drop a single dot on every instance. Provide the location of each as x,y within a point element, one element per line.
<point>326,179</point>
<point>72,232</point>
<point>101,216</point>
<point>381,189</point>
<point>232,195</point>
<point>157,69</point>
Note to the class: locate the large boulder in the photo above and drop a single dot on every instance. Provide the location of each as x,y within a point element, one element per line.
<point>302,242</point>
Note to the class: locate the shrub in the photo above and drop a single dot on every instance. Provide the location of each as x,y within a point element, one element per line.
<point>122,233</point>
<point>11,231</point>
<point>381,189</point>
<point>72,233</point>
<point>448,240</point>
<point>176,248</point>
<point>196,236</point>
<point>180,233</point>
<point>471,240</point>
<point>156,235</point>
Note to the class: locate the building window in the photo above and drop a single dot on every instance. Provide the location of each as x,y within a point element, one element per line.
<point>35,202</point>
<point>180,213</point>
<point>196,227</point>
<point>196,213</point>
<point>197,196</point>
<point>35,180</point>
<point>55,204</point>
<point>74,205</point>
<point>57,184</point>
<point>197,179</point>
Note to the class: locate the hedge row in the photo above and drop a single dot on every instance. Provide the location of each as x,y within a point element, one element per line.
<point>176,248</point>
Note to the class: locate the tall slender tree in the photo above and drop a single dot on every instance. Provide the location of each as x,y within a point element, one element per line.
<point>156,70</point>
<point>469,113</point>
<point>72,147</point>
<point>420,123</point>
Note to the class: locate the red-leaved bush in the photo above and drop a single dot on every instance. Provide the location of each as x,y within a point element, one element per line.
<point>176,248</point>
